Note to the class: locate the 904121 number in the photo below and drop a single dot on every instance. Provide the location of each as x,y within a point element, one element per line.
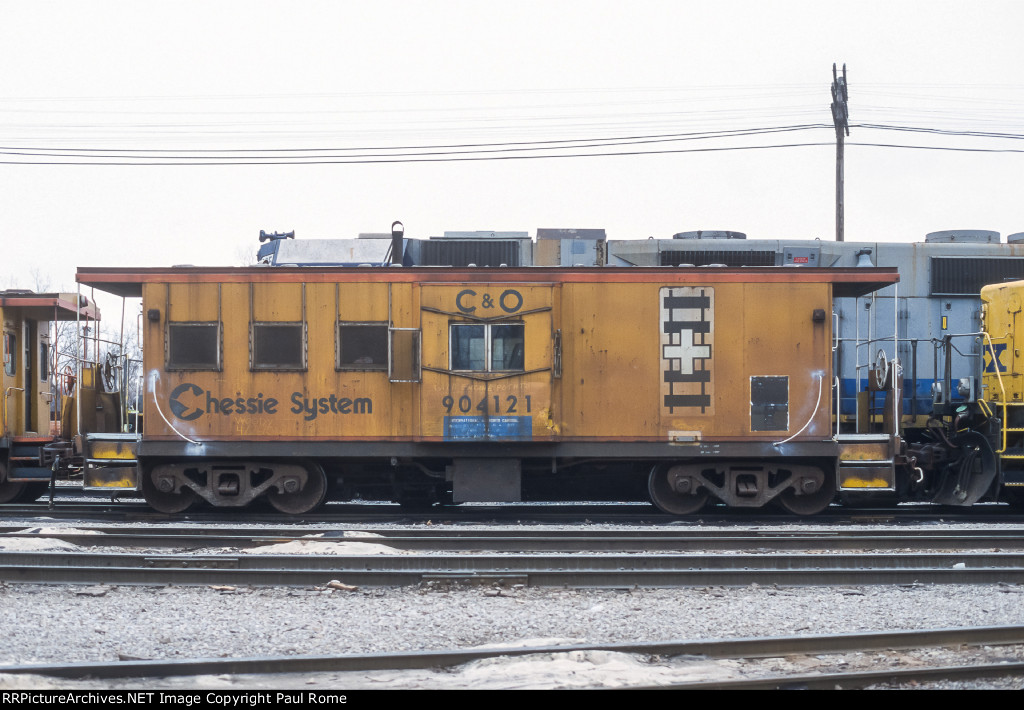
<point>465,404</point>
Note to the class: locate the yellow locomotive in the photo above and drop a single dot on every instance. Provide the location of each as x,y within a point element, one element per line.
<point>1002,402</point>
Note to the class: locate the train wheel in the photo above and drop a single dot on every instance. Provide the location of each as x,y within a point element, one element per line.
<point>970,476</point>
<point>1013,496</point>
<point>809,503</point>
<point>163,502</point>
<point>675,492</point>
<point>305,499</point>
<point>35,491</point>
<point>10,492</point>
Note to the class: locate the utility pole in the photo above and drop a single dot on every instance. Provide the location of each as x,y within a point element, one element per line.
<point>840,117</point>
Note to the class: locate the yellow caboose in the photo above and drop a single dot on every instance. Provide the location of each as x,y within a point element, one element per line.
<point>488,384</point>
<point>34,392</point>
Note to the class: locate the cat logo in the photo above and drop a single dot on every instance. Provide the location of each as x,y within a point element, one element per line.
<point>181,410</point>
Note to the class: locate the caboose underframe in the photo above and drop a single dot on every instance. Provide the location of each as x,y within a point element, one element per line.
<point>738,474</point>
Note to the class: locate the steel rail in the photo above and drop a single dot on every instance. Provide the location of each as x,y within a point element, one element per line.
<point>541,540</point>
<point>301,528</point>
<point>850,680</point>
<point>567,514</point>
<point>596,571</point>
<point>713,648</point>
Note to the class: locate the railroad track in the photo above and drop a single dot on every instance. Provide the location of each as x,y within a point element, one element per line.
<point>535,540</point>
<point>993,662</point>
<point>71,506</point>
<point>530,557</point>
<point>536,570</point>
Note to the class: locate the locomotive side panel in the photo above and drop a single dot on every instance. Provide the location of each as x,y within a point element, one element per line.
<point>1002,377</point>
<point>1003,363</point>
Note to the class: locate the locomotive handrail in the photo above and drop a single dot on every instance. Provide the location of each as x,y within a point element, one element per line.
<point>894,339</point>
<point>907,340</point>
<point>838,403</point>
<point>999,376</point>
<point>1004,405</point>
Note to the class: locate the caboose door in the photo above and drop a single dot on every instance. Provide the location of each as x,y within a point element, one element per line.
<point>488,362</point>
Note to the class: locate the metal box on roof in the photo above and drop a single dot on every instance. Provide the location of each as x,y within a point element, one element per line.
<point>964,236</point>
<point>801,256</point>
<point>327,252</point>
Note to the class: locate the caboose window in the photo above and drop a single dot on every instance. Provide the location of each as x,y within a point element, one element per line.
<point>490,347</point>
<point>362,346</point>
<point>10,354</point>
<point>278,346</point>
<point>506,346</point>
<point>193,346</point>
<point>44,361</point>
<point>469,347</point>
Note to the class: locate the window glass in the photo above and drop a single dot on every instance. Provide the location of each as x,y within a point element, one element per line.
<point>193,346</point>
<point>363,346</point>
<point>469,347</point>
<point>278,346</point>
<point>44,361</point>
<point>507,346</point>
<point>10,351</point>
<point>491,347</point>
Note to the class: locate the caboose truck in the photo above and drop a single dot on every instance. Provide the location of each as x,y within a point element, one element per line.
<point>423,384</point>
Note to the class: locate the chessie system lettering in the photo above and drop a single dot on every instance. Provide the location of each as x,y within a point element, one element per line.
<point>189,402</point>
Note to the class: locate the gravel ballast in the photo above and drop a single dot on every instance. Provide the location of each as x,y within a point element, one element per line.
<point>63,624</point>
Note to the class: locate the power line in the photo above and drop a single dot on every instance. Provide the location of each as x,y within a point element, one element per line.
<point>481,147</point>
<point>351,161</point>
<point>440,149</point>
<point>940,131</point>
<point>939,147</point>
<point>477,158</point>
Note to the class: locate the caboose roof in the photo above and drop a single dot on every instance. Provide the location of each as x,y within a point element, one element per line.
<point>129,281</point>
<point>49,306</point>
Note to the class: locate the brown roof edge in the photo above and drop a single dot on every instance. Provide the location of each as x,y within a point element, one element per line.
<point>128,281</point>
<point>48,302</point>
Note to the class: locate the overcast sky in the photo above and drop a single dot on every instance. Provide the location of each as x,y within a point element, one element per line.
<point>346,83</point>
